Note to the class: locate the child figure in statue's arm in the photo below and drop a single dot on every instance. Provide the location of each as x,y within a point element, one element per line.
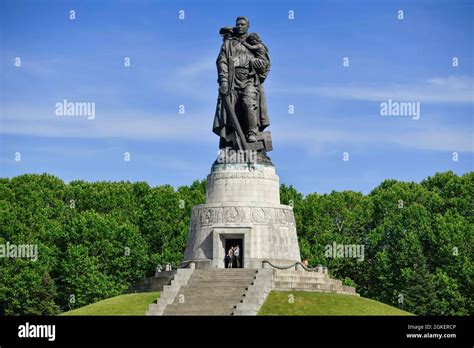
<point>259,64</point>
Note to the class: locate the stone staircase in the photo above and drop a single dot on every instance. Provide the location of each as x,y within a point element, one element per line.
<point>155,283</point>
<point>170,292</point>
<point>237,291</point>
<point>290,280</point>
<point>256,293</point>
<point>211,292</point>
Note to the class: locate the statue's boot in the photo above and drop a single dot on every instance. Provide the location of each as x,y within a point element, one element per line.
<point>253,126</point>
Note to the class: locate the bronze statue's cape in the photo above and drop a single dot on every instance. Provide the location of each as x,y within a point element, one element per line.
<point>222,125</point>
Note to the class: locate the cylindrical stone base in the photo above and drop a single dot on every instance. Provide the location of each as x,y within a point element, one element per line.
<point>242,204</point>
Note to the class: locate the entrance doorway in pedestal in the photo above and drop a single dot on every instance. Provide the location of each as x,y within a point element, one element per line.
<point>238,262</point>
<point>226,237</point>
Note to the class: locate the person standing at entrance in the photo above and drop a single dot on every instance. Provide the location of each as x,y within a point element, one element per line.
<point>237,255</point>
<point>230,257</point>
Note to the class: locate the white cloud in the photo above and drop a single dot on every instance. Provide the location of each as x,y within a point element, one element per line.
<point>326,138</point>
<point>196,127</point>
<point>452,89</point>
<point>198,67</point>
<point>433,139</point>
<point>120,124</point>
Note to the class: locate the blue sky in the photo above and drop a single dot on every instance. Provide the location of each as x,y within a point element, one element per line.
<point>337,108</point>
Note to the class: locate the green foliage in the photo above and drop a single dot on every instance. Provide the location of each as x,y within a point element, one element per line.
<point>348,281</point>
<point>96,239</point>
<point>417,240</point>
<point>418,288</point>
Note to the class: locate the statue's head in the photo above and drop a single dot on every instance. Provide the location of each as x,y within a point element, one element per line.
<point>242,24</point>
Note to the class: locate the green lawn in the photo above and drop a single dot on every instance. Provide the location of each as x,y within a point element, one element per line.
<point>129,304</point>
<point>277,303</point>
<point>317,303</point>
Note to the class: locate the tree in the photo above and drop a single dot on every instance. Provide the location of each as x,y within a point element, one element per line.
<point>418,288</point>
<point>96,239</point>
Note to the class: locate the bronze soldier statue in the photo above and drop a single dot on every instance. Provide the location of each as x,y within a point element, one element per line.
<point>241,114</point>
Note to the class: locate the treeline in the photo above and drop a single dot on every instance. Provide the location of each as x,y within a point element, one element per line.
<point>96,239</point>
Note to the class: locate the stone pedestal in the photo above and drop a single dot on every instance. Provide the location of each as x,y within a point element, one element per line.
<point>243,203</point>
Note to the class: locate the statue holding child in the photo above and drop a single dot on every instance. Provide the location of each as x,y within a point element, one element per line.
<point>241,114</point>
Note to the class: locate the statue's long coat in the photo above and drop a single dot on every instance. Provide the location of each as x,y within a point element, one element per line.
<point>225,69</point>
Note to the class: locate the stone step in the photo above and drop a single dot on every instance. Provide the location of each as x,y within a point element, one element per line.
<point>198,298</point>
<point>305,278</point>
<point>220,281</point>
<point>201,306</point>
<point>302,279</point>
<point>199,312</point>
<point>309,281</point>
<point>204,295</point>
<point>253,306</point>
<point>297,280</point>
<point>213,289</point>
<point>255,288</point>
<point>224,274</point>
<point>202,299</point>
<point>154,307</point>
<point>302,285</point>
<point>225,270</point>
<point>223,279</point>
<point>253,299</point>
<point>245,312</point>
<point>301,273</point>
<point>201,294</point>
<point>207,301</point>
<point>211,294</point>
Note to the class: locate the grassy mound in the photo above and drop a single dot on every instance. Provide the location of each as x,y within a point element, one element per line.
<point>129,304</point>
<point>277,303</point>
<point>317,303</point>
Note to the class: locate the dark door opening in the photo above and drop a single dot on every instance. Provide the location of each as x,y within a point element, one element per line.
<point>238,255</point>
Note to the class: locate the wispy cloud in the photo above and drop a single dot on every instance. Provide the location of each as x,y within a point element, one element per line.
<point>326,138</point>
<point>196,127</point>
<point>124,124</point>
<point>451,89</point>
<point>203,65</point>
